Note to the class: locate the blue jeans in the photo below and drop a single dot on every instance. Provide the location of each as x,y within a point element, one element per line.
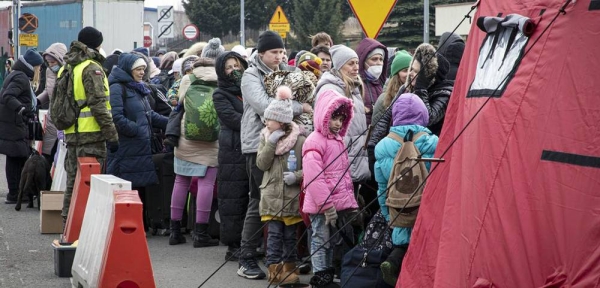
<point>323,258</point>
<point>281,243</point>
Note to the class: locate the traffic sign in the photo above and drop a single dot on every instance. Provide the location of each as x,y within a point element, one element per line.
<point>191,32</point>
<point>147,41</point>
<point>372,14</point>
<point>30,40</point>
<point>279,23</point>
<point>28,23</point>
<point>165,22</point>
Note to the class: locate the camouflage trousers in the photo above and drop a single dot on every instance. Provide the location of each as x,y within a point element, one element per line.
<point>96,149</point>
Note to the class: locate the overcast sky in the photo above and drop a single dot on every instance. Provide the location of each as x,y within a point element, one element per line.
<point>153,3</point>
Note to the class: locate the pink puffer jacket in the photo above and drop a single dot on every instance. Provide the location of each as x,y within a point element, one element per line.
<point>323,169</point>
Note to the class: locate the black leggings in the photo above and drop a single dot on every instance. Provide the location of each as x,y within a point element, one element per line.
<point>14,166</point>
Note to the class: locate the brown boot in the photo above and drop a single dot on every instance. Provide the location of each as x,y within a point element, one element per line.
<point>275,272</point>
<point>290,273</point>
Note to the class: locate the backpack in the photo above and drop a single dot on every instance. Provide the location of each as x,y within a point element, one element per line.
<point>200,115</point>
<point>63,107</point>
<point>407,174</point>
<point>360,266</point>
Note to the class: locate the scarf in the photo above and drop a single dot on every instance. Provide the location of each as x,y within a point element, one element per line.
<point>140,87</point>
<point>285,143</point>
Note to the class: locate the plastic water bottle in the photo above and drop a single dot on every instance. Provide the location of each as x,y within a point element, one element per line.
<point>291,161</point>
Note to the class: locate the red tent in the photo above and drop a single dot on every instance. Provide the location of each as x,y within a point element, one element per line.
<point>517,203</point>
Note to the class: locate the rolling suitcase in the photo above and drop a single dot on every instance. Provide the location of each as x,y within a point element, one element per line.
<point>158,196</point>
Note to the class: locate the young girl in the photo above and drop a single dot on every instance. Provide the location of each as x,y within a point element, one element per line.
<point>325,197</point>
<point>280,185</point>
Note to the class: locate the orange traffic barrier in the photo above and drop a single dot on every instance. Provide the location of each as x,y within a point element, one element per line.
<point>126,260</point>
<point>81,191</point>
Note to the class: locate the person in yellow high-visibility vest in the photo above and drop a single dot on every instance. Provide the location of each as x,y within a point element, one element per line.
<point>95,129</point>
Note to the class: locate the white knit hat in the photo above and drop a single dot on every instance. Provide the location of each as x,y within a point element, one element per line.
<point>139,62</point>
<point>176,66</point>
<point>280,109</point>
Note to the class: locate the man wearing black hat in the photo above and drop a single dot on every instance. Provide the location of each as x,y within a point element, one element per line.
<point>95,129</point>
<point>268,58</point>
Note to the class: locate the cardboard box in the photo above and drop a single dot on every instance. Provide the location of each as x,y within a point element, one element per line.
<point>51,207</point>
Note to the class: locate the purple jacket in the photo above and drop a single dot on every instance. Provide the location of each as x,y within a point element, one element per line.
<point>320,149</point>
<point>373,87</point>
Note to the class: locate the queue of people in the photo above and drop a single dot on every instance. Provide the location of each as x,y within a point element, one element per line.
<point>227,128</point>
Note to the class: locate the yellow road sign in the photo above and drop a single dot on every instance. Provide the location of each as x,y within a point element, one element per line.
<point>279,17</point>
<point>372,14</point>
<point>28,40</point>
<point>283,35</point>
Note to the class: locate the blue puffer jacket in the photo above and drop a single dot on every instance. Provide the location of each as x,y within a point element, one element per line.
<point>385,152</point>
<point>133,159</point>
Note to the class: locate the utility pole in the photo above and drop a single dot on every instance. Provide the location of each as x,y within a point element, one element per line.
<point>16,13</point>
<point>94,13</point>
<point>426,21</point>
<point>242,28</point>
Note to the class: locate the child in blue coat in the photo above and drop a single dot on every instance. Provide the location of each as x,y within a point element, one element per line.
<point>408,113</point>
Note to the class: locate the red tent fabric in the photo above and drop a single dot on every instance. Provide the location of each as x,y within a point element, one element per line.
<point>517,203</point>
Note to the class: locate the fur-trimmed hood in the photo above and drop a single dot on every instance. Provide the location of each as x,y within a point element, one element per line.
<point>285,143</point>
<point>435,66</point>
<point>329,101</point>
<point>195,49</point>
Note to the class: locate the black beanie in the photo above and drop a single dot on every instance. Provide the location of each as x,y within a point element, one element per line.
<point>91,37</point>
<point>269,40</point>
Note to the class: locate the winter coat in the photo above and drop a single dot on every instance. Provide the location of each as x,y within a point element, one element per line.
<point>326,171</point>
<point>133,119</point>
<point>452,48</point>
<point>199,152</point>
<point>16,93</point>
<point>437,94</point>
<point>385,152</point>
<point>276,197</point>
<point>57,51</point>
<point>256,101</point>
<point>232,179</point>
<point>93,83</point>
<point>357,131</point>
<point>373,87</point>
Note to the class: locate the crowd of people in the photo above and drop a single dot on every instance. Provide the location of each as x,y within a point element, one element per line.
<point>304,141</point>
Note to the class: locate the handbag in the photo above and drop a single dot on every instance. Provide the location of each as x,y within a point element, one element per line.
<point>36,132</point>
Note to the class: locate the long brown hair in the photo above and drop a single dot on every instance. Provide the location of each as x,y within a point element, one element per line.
<point>391,90</point>
<point>351,84</point>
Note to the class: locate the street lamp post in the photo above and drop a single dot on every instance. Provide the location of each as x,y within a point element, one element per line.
<point>426,21</point>
<point>242,28</point>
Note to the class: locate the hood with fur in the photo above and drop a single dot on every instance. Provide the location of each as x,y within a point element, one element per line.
<point>79,53</point>
<point>195,49</point>
<point>435,66</point>
<point>329,101</point>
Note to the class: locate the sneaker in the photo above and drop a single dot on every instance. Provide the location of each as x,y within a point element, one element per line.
<point>249,269</point>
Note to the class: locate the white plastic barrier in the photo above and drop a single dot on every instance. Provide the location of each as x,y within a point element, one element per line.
<point>94,229</point>
<point>43,114</point>
<point>59,178</point>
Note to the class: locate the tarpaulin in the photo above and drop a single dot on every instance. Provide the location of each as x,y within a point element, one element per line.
<point>517,202</point>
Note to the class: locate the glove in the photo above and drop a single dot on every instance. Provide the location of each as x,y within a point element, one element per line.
<point>289,178</point>
<point>112,146</point>
<point>274,137</point>
<point>331,216</point>
<point>422,81</point>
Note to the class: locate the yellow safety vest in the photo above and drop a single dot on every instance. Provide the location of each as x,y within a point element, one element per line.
<point>86,122</point>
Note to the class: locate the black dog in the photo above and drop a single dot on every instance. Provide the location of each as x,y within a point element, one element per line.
<point>35,177</point>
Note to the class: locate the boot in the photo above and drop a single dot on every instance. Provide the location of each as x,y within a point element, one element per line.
<point>324,279</point>
<point>201,237</point>
<point>290,273</point>
<point>176,237</point>
<point>390,268</point>
<point>275,273</point>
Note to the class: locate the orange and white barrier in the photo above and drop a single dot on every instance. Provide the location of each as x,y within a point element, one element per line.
<point>112,250</point>
<point>87,166</point>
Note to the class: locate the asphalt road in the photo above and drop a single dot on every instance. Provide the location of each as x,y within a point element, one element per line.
<point>27,259</point>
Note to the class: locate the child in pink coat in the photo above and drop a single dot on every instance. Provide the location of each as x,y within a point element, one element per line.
<point>323,169</point>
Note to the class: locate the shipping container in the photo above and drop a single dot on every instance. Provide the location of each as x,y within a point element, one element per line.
<point>120,21</point>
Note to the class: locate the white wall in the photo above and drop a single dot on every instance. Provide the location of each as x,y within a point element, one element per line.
<point>120,21</point>
<point>448,16</point>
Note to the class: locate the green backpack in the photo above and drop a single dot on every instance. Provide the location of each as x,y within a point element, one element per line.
<point>200,120</point>
<point>63,107</point>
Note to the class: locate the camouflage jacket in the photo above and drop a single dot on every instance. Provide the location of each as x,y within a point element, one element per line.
<point>93,83</point>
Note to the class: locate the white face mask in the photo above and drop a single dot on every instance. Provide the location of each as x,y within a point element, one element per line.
<point>375,71</point>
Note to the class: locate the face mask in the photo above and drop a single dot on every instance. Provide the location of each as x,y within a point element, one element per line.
<point>375,71</point>
<point>236,77</point>
<point>55,68</point>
